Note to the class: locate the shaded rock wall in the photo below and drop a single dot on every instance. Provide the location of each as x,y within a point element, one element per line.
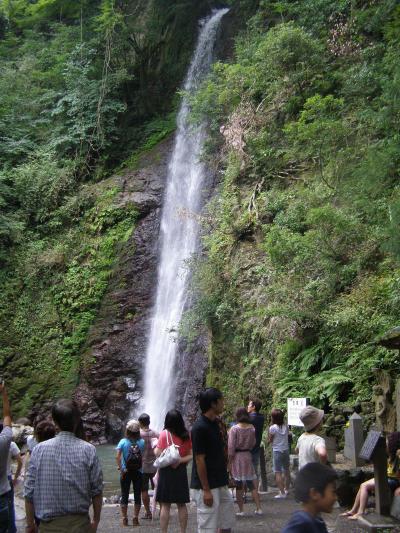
<point>110,379</point>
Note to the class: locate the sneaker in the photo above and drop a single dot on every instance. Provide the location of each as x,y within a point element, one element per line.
<point>258,512</point>
<point>280,496</point>
<point>240,514</point>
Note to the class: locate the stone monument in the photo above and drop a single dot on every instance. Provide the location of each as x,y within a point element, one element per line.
<point>353,440</point>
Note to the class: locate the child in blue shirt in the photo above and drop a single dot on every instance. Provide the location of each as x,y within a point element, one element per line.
<point>126,478</point>
<point>315,488</point>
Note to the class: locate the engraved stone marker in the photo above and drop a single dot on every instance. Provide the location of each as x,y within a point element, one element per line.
<point>374,449</point>
<point>353,440</point>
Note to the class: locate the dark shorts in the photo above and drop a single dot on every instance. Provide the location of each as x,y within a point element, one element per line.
<point>394,483</point>
<point>281,461</point>
<point>249,484</point>
<point>146,478</point>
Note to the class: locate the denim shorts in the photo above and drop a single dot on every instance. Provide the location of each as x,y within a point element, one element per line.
<point>281,461</point>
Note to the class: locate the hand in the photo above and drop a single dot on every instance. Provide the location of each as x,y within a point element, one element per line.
<point>15,482</point>
<point>208,498</point>
<point>122,473</point>
<point>2,387</point>
<point>31,529</point>
<point>175,465</point>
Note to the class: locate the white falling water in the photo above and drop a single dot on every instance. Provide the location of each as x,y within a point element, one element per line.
<point>179,231</point>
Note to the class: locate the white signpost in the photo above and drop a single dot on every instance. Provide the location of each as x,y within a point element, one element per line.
<point>294,407</point>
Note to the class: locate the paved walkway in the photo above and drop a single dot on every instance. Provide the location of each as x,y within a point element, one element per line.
<point>276,514</point>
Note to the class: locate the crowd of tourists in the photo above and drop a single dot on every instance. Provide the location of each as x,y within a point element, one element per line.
<point>63,477</point>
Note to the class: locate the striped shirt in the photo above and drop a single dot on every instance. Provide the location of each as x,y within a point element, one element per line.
<point>64,475</point>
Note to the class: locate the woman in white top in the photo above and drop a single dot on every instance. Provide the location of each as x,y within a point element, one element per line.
<point>310,446</point>
<point>278,436</point>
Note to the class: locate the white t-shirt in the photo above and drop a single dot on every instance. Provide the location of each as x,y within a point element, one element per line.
<point>280,441</point>
<point>12,454</point>
<point>307,444</point>
<point>31,442</point>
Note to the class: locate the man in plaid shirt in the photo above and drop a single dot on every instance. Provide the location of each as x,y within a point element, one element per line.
<point>64,477</point>
<point>5,442</point>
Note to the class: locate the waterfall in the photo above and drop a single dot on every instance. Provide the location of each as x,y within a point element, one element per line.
<point>178,236</point>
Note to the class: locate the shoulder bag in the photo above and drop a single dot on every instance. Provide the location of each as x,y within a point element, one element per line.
<point>169,456</point>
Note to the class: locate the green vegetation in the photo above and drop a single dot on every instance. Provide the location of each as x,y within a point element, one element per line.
<point>301,270</point>
<point>86,87</point>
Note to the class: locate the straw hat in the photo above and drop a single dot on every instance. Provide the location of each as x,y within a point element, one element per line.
<point>311,417</point>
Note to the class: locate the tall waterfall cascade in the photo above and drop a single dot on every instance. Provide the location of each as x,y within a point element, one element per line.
<point>178,236</point>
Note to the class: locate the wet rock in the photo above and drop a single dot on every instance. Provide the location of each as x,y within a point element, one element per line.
<point>348,483</point>
<point>21,433</point>
<point>390,339</point>
<point>144,202</point>
<point>23,421</point>
<point>114,427</point>
<point>118,338</point>
<point>112,500</point>
<point>94,420</point>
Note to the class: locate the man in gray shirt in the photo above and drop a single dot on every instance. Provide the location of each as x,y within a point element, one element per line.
<point>64,478</point>
<point>5,442</point>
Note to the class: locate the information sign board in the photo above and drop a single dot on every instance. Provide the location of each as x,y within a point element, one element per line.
<point>369,445</point>
<point>294,407</point>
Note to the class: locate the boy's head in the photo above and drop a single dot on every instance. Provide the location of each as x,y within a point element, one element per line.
<point>144,420</point>
<point>315,485</point>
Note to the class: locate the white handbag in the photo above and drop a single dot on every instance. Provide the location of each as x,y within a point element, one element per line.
<point>169,456</point>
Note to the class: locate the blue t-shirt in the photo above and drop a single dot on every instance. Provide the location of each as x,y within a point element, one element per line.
<point>303,522</point>
<point>124,445</point>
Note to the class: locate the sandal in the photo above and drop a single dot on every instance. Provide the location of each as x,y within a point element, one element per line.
<point>135,521</point>
<point>124,522</point>
<point>148,516</point>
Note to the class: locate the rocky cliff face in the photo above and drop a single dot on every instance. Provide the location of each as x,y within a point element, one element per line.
<point>110,380</point>
<point>111,377</point>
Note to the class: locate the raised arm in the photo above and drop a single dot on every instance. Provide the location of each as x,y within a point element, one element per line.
<point>6,406</point>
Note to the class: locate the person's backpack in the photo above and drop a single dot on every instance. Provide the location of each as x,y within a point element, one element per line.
<point>133,461</point>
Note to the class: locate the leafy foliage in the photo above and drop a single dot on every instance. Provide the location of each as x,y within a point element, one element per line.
<point>301,266</point>
<point>86,87</point>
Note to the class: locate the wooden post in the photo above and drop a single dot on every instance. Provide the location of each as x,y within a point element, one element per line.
<point>263,471</point>
<point>382,491</point>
